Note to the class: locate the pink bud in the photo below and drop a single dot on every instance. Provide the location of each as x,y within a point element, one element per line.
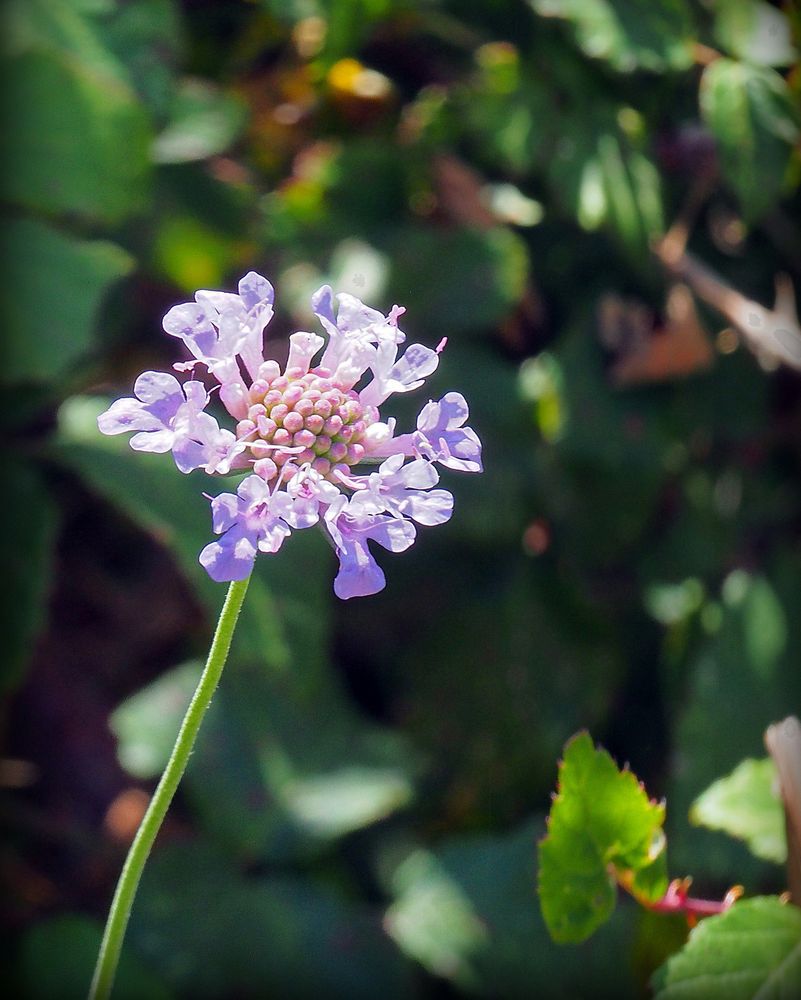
<point>278,412</point>
<point>266,468</point>
<point>257,390</point>
<point>304,439</point>
<point>266,427</point>
<point>293,422</point>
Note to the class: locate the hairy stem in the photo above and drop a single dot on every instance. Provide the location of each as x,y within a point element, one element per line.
<point>111,945</point>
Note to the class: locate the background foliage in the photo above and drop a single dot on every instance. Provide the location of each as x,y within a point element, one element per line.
<point>362,813</point>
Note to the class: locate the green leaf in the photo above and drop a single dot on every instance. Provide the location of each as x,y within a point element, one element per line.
<point>204,121</point>
<point>53,286</point>
<point>147,723</point>
<point>258,790</point>
<point>728,681</point>
<point>602,828</point>
<point>467,912</point>
<point>80,134</point>
<point>57,958</point>
<point>746,804</point>
<point>755,31</point>
<point>146,36</point>
<point>628,34</point>
<point>755,121</point>
<point>27,551</point>
<point>603,177</point>
<point>751,950</point>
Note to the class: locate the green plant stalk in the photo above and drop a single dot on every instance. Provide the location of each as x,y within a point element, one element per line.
<point>111,945</point>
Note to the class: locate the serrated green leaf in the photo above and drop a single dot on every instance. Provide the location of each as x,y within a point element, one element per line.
<point>628,34</point>
<point>47,272</point>
<point>755,121</point>
<point>746,804</point>
<point>602,828</point>
<point>751,951</point>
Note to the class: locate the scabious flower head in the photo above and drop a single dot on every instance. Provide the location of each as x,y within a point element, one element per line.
<point>311,439</point>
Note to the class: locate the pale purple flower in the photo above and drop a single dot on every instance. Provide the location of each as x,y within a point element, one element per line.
<point>169,416</point>
<point>248,524</point>
<point>359,575</point>
<point>311,437</point>
<point>403,491</point>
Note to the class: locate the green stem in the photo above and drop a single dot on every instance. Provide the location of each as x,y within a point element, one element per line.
<point>114,933</point>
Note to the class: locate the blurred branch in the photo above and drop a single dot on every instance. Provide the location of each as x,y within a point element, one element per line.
<point>774,335</point>
<point>783,740</point>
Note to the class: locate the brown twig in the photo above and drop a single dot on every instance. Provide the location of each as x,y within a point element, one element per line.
<point>774,335</point>
<point>783,740</point>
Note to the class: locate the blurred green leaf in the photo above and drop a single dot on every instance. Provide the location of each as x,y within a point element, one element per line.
<point>755,31</point>
<point>751,950</point>
<point>603,179</point>
<point>628,34</point>
<point>467,912</point>
<point>212,932</point>
<point>462,280</point>
<point>731,694</point>
<point>204,121</point>
<point>260,791</point>
<point>601,819</point>
<point>27,551</point>
<point>48,272</point>
<point>746,804</point>
<point>765,624</point>
<point>80,135</point>
<point>147,37</point>
<point>264,789</point>
<point>57,958</point>
<point>147,723</point>
<point>755,121</point>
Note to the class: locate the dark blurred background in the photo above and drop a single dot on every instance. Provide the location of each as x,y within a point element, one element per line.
<point>537,181</point>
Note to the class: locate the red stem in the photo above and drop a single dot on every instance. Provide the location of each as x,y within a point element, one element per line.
<point>678,900</point>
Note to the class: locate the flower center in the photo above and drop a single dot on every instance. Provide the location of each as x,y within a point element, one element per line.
<point>305,418</point>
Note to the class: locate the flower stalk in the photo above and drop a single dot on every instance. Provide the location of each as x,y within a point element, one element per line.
<point>117,922</point>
